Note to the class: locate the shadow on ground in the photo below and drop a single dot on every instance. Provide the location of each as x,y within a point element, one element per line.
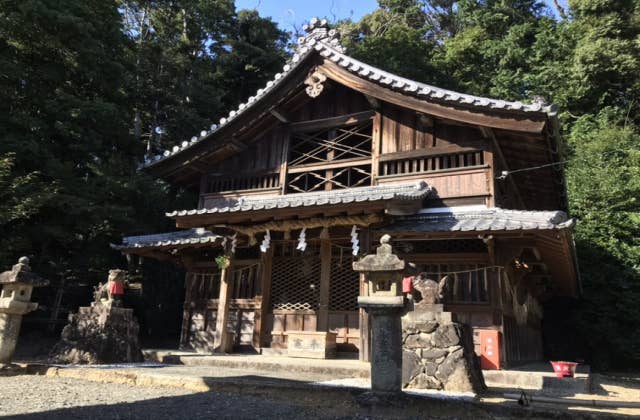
<point>255,397</point>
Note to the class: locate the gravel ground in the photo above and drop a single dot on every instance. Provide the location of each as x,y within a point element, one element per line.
<point>40,397</point>
<point>55,397</point>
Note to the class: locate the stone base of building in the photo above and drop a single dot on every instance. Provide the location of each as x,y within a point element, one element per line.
<point>97,335</point>
<point>439,355</point>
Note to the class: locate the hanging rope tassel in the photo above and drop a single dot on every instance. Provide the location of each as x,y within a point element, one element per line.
<point>302,243</point>
<point>355,242</point>
<point>266,242</point>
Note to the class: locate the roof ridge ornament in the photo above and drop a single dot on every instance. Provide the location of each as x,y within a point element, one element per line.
<point>320,30</point>
<point>314,83</point>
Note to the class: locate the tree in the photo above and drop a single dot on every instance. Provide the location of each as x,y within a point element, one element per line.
<point>604,184</point>
<point>64,113</point>
<point>396,37</point>
<point>605,65</point>
<point>193,61</point>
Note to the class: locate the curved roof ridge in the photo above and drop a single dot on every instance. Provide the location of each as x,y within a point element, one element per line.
<point>422,89</point>
<point>326,42</point>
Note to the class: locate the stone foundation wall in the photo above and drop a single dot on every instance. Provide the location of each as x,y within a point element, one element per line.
<point>99,334</point>
<point>439,356</point>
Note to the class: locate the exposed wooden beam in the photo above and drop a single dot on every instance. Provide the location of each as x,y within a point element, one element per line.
<point>346,163</point>
<point>348,119</point>
<point>488,132</point>
<point>236,145</point>
<point>280,115</point>
<point>432,151</point>
<point>374,102</point>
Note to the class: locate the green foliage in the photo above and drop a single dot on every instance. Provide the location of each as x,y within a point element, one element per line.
<point>606,59</point>
<point>192,61</point>
<point>604,181</point>
<point>83,83</point>
<point>589,65</point>
<point>394,37</point>
<point>20,196</point>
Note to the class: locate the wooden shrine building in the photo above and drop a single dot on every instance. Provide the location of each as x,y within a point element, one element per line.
<point>330,155</point>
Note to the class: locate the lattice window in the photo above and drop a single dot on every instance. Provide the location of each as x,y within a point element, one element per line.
<point>295,283</point>
<point>245,281</point>
<point>349,142</point>
<point>201,285</point>
<point>312,154</point>
<point>345,285</point>
<point>349,177</point>
<point>466,287</point>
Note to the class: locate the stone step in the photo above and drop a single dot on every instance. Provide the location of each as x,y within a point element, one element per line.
<point>337,368</point>
<point>539,378</point>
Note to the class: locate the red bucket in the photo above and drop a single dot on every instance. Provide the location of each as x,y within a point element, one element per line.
<point>564,369</point>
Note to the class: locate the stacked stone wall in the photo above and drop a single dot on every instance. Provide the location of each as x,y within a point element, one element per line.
<point>439,356</point>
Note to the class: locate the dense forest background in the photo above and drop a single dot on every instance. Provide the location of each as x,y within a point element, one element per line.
<point>88,87</point>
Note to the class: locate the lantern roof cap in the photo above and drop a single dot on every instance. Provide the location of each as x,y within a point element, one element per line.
<point>21,273</point>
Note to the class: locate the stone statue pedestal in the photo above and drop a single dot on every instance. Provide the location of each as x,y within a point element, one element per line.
<point>438,353</point>
<point>104,332</point>
<point>99,334</point>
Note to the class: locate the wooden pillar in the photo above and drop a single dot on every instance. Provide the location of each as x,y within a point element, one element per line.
<point>186,312</point>
<point>364,353</point>
<point>222,342</point>
<point>187,262</point>
<point>490,174</point>
<point>376,142</point>
<point>261,331</point>
<point>325,283</point>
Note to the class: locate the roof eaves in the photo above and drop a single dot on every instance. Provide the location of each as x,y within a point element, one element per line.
<point>326,42</point>
<point>407,191</point>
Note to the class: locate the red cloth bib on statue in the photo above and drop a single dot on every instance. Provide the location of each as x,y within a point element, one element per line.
<point>407,284</point>
<point>116,288</point>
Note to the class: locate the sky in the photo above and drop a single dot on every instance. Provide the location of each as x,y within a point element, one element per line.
<point>294,13</point>
<point>287,13</point>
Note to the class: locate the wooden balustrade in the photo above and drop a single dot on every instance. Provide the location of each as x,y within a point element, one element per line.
<point>392,165</point>
<point>251,182</point>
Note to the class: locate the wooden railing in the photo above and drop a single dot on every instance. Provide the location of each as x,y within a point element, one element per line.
<point>250,182</point>
<point>397,164</point>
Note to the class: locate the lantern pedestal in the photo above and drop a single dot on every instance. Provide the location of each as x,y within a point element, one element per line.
<point>386,345</point>
<point>386,305</point>
<point>17,286</point>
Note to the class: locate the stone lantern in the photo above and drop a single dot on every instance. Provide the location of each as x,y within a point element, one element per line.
<point>386,305</point>
<point>15,297</point>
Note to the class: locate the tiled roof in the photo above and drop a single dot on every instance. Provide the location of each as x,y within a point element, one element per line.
<point>326,42</point>
<point>494,219</point>
<point>406,191</point>
<point>170,239</point>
